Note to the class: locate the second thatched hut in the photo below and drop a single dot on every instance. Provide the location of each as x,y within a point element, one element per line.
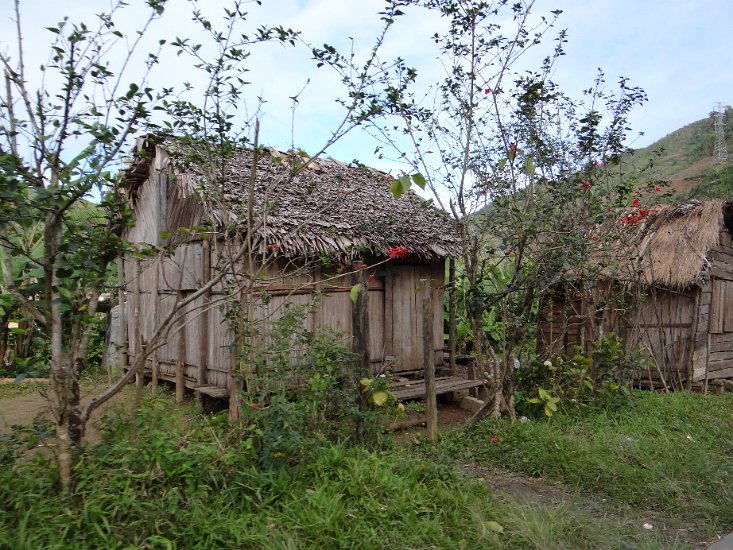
<point>667,289</point>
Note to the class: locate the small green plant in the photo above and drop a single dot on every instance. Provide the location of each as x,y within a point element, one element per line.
<point>549,402</point>
<point>308,388</point>
<point>600,379</point>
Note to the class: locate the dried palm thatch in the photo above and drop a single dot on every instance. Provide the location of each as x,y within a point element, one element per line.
<point>670,246</point>
<point>301,206</point>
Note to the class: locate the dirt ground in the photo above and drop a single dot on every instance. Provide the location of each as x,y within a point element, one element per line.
<point>23,409</point>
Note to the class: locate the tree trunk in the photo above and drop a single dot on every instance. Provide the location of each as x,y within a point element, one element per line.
<point>4,333</point>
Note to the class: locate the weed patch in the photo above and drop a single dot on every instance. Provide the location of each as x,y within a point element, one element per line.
<point>672,453</point>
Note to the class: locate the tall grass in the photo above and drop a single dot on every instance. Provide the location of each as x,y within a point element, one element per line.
<point>172,479</point>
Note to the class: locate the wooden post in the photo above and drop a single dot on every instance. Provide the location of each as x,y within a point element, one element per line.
<point>431,403</point>
<point>707,362</point>
<point>123,317</point>
<point>140,375</point>
<point>389,280</point>
<point>691,342</point>
<point>156,314</point>
<point>360,320</point>
<point>181,359</point>
<point>236,352</point>
<point>204,337</point>
<point>452,316</point>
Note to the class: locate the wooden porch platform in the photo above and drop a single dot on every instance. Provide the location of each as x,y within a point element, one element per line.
<point>402,390</point>
<point>414,389</point>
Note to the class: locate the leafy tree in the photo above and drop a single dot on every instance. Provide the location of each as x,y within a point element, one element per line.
<point>65,138</point>
<point>525,170</point>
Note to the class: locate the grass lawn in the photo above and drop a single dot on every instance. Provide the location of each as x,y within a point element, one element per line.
<point>175,479</point>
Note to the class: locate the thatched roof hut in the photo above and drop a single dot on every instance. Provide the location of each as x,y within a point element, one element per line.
<point>666,284</point>
<point>317,227</point>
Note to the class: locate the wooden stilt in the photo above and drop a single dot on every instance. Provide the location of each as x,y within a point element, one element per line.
<point>360,320</point>
<point>431,403</point>
<point>180,361</point>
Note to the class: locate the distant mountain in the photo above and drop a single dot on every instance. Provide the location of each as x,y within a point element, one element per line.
<point>684,158</point>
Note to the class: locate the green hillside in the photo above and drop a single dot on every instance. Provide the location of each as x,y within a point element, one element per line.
<point>684,158</point>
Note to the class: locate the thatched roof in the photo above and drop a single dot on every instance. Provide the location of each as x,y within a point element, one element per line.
<point>670,246</point>
<point>326,207</point>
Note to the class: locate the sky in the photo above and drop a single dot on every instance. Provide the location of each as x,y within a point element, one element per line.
<point>679,51</point>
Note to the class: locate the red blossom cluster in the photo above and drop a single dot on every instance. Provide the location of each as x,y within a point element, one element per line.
<point>397,252</point>
<point>586,185</point>
<point>638,215</point>
<point>487,91</point>
<point>495,438</point>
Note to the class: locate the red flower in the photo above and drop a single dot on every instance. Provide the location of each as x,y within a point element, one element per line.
<point>642,212</point>
<point>487,91</point>
<point>373,279</point>
<point>597,164</point>
<point>657,189</point>
<point>631,219</point>
<point>636,203</point>
<point>273,246</point>
<point>360,265</point>
<point>397,252</point>
<point>594,238</point>
<point>495,438</point>
<point>253,406</point>
<point>586,185</point>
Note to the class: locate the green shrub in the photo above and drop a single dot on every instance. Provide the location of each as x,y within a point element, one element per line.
<point>599,380</point>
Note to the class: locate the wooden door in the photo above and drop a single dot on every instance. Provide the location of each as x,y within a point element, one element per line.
<point>405,288</point>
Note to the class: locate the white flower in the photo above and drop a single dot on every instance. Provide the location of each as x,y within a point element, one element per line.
<point>648,526</point>
<point>547,363</point>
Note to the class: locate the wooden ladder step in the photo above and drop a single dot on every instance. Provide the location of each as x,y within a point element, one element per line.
<point>213,391</point>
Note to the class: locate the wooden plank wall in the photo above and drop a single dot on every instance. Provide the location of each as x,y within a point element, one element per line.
<point>702,333</point>
<point>662,324</point>
<point>716,361</point>
<point>394,329</point>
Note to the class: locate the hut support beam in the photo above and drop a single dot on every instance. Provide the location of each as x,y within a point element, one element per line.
<point>204,337</point>
<point>140,375</point>
<point>452,316</point>
<point>360,320</point>
<point>156,314</point>
<point>431,404</point>
<point>123,318</point>
<point>181,353</point>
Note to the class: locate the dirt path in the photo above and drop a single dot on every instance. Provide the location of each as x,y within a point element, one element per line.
<point>23,409</point>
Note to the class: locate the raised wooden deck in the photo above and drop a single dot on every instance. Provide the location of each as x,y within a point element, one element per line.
<point>414,389</point>
<point>402,390</point>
